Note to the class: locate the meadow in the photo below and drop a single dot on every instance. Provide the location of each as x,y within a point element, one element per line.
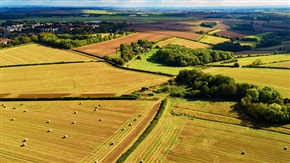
<point>187,43</point>
<point>276,78</point>
<point>213,40</point>
<point>37,132</point>
<point>144,64</point>
<point>35,53</point>
<point>279,64</point>
<point>74,79</point>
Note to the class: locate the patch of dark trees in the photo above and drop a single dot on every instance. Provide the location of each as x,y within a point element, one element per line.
<point>261,103</point>
<point>208,24</point>
<point>129,51</point>
<point>231,46</point>
<point>181,56</point>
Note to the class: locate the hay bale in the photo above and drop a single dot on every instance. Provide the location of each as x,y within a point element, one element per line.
<point>95,109</point>
<point>285,148</point>
<point>49,130</point>
<point>135,119</point>
<point>14,108</point>
<point>101,119</point>
<point>139,115</point>
<point>112,143</point>
<point>130,124</point>
<point>13,119</point>
<point>48,121</point>
<point>25,111</point>
<point>96,161</point>
<point>25,140</point>
<point>23,145</point>
<point>243,152</point>
<point>99,105</point>
<point>75,112</point>
<point>21,104</point>
<point>4,106</point>
<point>141,161</point>
<point>74,122</point>
<point>65,136</point>
<point>80,103</point>
<point>123,128</point>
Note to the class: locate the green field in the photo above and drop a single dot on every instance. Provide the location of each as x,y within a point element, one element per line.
<point>253,44</point>
<point>143,64</point>
<point>74,79</point>
<point>35,53</point>
<point>258,36</point>
<point>213,39</point>
<point>276,78</point>
<point>264,59</point>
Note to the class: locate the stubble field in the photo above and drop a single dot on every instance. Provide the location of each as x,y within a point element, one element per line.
<point>35,53</point>
<point>74,79</point>
<point>187,43</point>
<point>37,132</point>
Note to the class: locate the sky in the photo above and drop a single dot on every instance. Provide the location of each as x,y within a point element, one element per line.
<point>147,3</point>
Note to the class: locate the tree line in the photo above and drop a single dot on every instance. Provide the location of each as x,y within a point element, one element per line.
<point>261,103</point>
<point>181,56</point>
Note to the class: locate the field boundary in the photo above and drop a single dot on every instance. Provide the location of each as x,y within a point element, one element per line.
<point>49,63</point>
<point>152,125</point>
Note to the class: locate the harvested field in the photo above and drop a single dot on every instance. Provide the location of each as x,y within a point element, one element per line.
<point>279,64</point>
<point>207,141</point>
<point>213,40</point>
<point>81,78</point>
<point>109,47</point>
<point>264,59</point>
<point>276,78</point>
<point>35,53</point>
<point>172,33</point>
<point>231,34</point>
<point>187,43</point>
<point>86,140</point>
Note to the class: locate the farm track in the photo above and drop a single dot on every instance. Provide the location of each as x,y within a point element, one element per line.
<point>107,154</point>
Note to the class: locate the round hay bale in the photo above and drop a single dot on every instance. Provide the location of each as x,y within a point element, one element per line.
<point>141,161</point>
<point>135,119</point>
<point>243,152</point>
<point>80,103</point>
<point>49,130</point>
<point>25,140</point>
<point>23,145</point>
<point>14,107</point>
<point>21,104</point>
<point>4,106</point>
<point>74,122</point>
<point>285,148</point>
<point>65,136</point>
<point>96,161</point>
<point>130,124</point>
<point>25,111</point>
<point>48,121</point>
<point>123,128</point>
<point>112,143</point>
<point>75,112</point>
<point>99,105</point>
<point>13,119</point>
<point>101,119</point>
<point>139,115</point>
<point>95,109</point>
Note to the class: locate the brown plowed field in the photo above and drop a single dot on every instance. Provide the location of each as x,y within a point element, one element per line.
<point>231,34</point>
<point>109,47</point>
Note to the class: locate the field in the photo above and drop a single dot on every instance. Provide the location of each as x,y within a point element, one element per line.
<point>35,53</point>
<point>279,64</point>
<point>207,131</point>
<point>187,43</point>
<point>88,138</point>
<point>74,79</point>
<point>250,43</point>
<point>231,34</point>
<point>109,47</point>
<point>264,59</point>
<point>258,36</point>
<point>207,141</point>
<point>213,40</point>
<point>276,78</point>
<point>144,64</point>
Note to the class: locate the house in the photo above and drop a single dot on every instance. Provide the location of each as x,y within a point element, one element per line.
<point>5,40</point>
